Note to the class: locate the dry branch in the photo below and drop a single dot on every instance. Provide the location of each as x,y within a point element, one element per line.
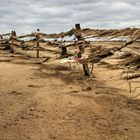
<point>5,34</point>
<point>128,77</point>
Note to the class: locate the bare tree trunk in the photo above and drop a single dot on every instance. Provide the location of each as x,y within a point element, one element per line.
<point>86,69</point>
<point>81,49</point>
<point>37,44</point>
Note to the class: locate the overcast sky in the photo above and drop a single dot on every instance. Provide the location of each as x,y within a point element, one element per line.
<point>61,15</point>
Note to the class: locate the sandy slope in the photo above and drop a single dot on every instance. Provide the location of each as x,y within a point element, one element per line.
<point>43,102</point>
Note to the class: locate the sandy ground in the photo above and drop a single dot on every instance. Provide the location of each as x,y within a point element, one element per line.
<point>45,102</point>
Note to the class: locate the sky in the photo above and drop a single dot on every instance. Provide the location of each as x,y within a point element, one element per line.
<point>52,16</point>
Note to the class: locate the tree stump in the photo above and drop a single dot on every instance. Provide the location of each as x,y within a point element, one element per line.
<point>64,53</point>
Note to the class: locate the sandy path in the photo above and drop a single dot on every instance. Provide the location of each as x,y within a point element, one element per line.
<point>40,102</point>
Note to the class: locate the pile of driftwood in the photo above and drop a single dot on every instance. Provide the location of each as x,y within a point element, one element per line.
<point>95,53</point>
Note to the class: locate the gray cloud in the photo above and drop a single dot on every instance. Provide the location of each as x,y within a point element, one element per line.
<point>56,16</point>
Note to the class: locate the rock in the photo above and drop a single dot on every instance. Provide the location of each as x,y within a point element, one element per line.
<point>87,88</point>
<point>31,108</point>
